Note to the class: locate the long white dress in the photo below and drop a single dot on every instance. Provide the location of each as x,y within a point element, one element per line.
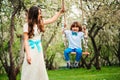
<point>37,69</point>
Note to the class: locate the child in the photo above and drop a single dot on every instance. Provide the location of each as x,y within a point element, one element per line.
<point>74,37</point>
<point>33,67</point>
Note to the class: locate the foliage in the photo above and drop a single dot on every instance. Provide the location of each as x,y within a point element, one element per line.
<point>101,16</point>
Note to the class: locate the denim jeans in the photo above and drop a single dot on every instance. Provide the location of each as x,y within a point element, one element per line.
<point>78,51</point>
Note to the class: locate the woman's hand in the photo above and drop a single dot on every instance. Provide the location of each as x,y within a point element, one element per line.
<point>62,10</point>
<point>55,17</point>
<point>29,59</point>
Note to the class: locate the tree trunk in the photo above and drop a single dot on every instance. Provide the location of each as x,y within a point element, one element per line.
<point>12,75</point>
<point>13,71</point>
<point>49,62</point>
<point>97,63</point>
<point>97,53</point>
<point>83,60</point>
<point>89,65</point>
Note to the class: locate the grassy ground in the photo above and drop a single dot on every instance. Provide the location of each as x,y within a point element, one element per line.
<point>106,73</point>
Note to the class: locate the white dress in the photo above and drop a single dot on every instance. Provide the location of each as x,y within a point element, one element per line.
<point>37,69</point>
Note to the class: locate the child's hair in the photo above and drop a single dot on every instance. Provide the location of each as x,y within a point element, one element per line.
<point>32,19</point>
<point>76,24</point>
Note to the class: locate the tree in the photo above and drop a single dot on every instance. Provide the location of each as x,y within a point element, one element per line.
<point>100,18</point>
<point>10,58</point>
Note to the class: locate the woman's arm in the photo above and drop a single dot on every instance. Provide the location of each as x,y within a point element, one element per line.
<point>26,45</point>
<point>54,18</point>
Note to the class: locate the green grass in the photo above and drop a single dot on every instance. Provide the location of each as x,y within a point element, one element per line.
<point>106,73</point>
<point>3,77</point>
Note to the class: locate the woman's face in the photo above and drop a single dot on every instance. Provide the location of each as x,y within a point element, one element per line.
<point>39,15</point>
<point>75,29</point>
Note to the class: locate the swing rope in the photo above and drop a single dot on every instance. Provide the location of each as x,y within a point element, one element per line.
<point>63,25</point>
<point>63,5</point>
<point>85,38</point>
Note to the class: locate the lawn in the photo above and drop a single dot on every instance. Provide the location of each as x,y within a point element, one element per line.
<point>106,73</point>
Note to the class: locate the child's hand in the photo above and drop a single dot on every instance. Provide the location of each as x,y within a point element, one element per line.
<point>29,59</point>
<point>84,28</point>
<point>65,25</point>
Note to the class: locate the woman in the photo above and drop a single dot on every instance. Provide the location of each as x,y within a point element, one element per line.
<point>33,67</point>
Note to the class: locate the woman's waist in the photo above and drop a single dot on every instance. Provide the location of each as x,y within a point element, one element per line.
<point>35,43</point>
<point>35,38</point>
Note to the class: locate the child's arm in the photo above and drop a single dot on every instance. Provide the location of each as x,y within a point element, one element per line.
<point>85,36</point>
<point>85,32</point>
<point>63,28</point>
<point>64,35</point>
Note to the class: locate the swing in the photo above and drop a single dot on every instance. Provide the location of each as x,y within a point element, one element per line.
<point>85,38</point>
<point>64,39</point>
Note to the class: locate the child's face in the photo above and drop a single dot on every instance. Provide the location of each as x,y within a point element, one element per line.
<point>75,29</point>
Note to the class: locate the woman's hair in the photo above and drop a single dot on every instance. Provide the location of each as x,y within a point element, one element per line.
<point>76,24</point>
<point>33,19</point>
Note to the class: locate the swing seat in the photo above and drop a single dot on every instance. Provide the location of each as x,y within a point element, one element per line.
<point>85,53</point>
<point>82,53</point>
<point>73,52</point>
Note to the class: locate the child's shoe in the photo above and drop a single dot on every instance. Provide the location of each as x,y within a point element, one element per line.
<point>76,64</point>
<point>69,65</point>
